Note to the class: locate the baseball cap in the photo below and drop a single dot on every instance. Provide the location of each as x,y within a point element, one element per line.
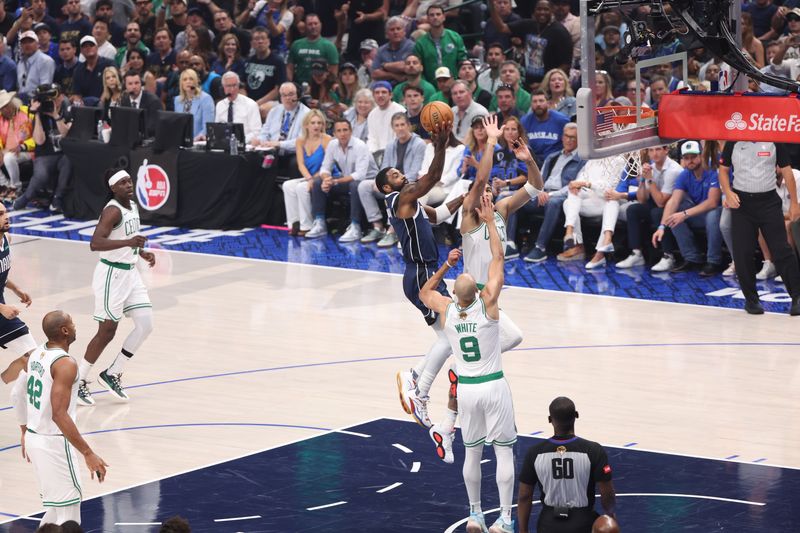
<point>794,14</point>
<point>28,35</point>
<point>610,28</point>
<point>369,44</point>
<point>319,65</point>
<point>478,119</point>
<point>41,26</point>
<point>382,84</point>
<point>443,72</point>
<point>345,66</point>
<point>194,10</point>
<point>88,39</point>
<point>690,148</point>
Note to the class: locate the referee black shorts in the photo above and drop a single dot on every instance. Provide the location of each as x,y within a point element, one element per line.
<point>580,520</point>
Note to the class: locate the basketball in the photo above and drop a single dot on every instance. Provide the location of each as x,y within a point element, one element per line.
<point>435,113</point>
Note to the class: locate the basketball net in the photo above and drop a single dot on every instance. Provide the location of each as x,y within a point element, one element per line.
<point>622,166</point>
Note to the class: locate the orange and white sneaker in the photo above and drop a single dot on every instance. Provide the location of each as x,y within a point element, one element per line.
<point>419,408</point>
<point>405,384</point>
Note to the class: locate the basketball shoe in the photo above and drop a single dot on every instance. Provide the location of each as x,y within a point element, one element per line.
<point>84,396</point>
<point>444,443</point>
<point>113,382</point>
<point>405,383</point>
<point>419,408</point>
<point>476,523</point>
<point>501,527</point>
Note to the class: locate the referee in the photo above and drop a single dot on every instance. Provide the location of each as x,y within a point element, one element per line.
<point>566,469</point>
<point>755,206</point>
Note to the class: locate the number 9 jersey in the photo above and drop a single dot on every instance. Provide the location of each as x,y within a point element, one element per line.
<point>475,339</point>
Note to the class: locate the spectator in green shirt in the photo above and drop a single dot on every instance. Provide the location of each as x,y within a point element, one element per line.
<point>439,47</point>
<point>510,75</point>
<point>413,69</point>
<point>308,49</point>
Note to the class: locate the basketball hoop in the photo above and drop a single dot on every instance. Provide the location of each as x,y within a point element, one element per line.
<point>613,119</point>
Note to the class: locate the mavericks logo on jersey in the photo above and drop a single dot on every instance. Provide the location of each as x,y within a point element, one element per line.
<point>152,186</point>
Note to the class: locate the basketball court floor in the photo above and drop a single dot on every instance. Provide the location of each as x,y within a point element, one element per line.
<point>265,399</point>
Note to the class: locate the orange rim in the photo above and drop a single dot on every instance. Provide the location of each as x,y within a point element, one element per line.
<point>625,114</point>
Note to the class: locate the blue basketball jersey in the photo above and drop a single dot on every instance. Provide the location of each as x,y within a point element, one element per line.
<point>415,234</point>
<point>5,266</point>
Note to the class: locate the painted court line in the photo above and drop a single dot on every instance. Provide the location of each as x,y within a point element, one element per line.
<point>353,433</point>
<point>415,466</point>
<point>234,519</point>
<point>486,461</point>
<point>402,448</point>
<point>137,523</point>
<point>390,487</point>
<point>317,508</point>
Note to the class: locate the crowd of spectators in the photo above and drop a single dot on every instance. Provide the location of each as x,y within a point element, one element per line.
<point>333,90</point>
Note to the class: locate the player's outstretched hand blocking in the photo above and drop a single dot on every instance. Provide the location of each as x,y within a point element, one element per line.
<point>441,134</point>
<point>486,210</point>
<point>490,125</point>
<point>453,257</point>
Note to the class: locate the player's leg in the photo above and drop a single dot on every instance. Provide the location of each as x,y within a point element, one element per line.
<point>105,334</point>
<point>56,468</point>
<point>501,431</point>
<point>444,432</point>
<point>473,432</point>
<point>510,334</point>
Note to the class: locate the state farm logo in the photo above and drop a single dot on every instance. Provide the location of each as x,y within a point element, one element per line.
<point>736,122</point>
<point>764,123</point>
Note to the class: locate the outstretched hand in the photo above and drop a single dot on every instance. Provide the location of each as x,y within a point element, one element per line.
<point>453,257</point>
<point>490,125</point>
<point>521,150</point>
<point>440,135</point>
<point>486,210</point>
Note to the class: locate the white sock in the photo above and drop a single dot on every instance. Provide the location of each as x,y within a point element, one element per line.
<point>472,476</point>
<point>118,366</point>
<point>84,367</point>
<point>449,422</point>
<point>637,253</point>
<point>505,479</point>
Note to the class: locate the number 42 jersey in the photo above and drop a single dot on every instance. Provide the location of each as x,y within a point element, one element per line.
<point>475,339</point>
<point>39,388</point>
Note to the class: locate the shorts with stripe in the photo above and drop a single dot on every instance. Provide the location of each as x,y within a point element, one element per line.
<point>414,278</point>
<point>11,330</point>
<point>117,291</point>
<point>487,413</point>
<point>57,469</point>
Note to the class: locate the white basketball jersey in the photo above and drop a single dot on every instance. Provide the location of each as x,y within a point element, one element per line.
<point>478,252</point>
<point>39,388</point>
<point>474,338</point>
<point>128,227</point>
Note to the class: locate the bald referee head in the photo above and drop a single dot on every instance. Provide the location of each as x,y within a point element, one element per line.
<point>562,415</point>
<point>605,524</point>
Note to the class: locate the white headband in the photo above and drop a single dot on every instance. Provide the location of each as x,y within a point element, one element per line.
<point>119,175</point>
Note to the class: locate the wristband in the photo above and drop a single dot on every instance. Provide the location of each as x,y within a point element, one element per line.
<point>685,214</point>
<point>662,226</point>
<point>532,191</point>
<point>442,213</point>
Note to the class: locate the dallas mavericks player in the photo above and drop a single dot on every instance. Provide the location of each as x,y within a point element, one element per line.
<point>410,220</point>
<point>472,326</point>
<point>14,334</point>
<point>118,287</point>
<point>478,254</point>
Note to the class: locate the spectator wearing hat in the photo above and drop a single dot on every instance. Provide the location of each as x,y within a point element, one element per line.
<point>413,77</point>
<point>133,41</point>
<point>468,73</point>
<point>365,20</point>
<point>8,69</point>
<point>510,75</point>
<point>310,47</point>
<point>321,93</point>
<point>87,81</point>
<point>547,44</point>
<point>264,71</point>
<point>223,24</point>
<point>465,109</point>
<point>444,81</point>
<point>379,136</point>
<point>694,205</point>
<point>100,32</point>
<point>347,87</point>
<point>104,9</point>
<point>611,41</point>
<point>439,47</point>
<point>68,55</point>
<point>16,142</point>
<point>46,45</point>
<point>34,67</point>
<point>369,49</point>
<point>389,63</point>
<point>77,24</point>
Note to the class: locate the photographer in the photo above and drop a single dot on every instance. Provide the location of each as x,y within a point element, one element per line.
<point>49,126</point>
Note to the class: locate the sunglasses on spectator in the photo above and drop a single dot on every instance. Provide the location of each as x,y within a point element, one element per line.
<point>792,18</point>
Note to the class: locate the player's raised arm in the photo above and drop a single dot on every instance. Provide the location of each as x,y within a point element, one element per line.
<point>472,201</point>
<point>530,190</point>
<point>432,299</point>
<point>440,138</point>
<point>494,284</point>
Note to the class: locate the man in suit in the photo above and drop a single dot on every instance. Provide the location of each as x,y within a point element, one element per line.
<point>135,97</point>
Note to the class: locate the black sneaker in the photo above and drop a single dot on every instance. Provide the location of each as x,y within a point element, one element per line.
<point>84,396</point>
<point>113,382</point>
<point>686,266</point>
<point>710,269</point>
<point>795,309</point>
<point>753,307</point>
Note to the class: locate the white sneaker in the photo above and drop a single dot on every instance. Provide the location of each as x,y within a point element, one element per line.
<point>768,271</point>
<point>352,234</point>
<point>319,229</point>
<point>476,523</point>
<point>419,408</point>
<point>666,264</point>
<point>596,264</point>
<point>631,261</point>
<point>607,248</point>
<point>388,240</point>
<point>501,527</point>
<point>730,271</point>
<point>444,443</point>
<point>373,235</point>
<point>405,384</point>
<point>778,279</point>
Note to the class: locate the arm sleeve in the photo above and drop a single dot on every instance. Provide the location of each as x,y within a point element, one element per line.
<point>781,155</point>
<point>726,158</point>
<point>18,399</point>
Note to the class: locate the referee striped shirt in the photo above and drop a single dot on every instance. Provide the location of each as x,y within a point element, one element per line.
<point>754,164</point>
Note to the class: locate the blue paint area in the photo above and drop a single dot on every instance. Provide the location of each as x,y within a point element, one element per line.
<point>276,245</point>
<point>282,483</point>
